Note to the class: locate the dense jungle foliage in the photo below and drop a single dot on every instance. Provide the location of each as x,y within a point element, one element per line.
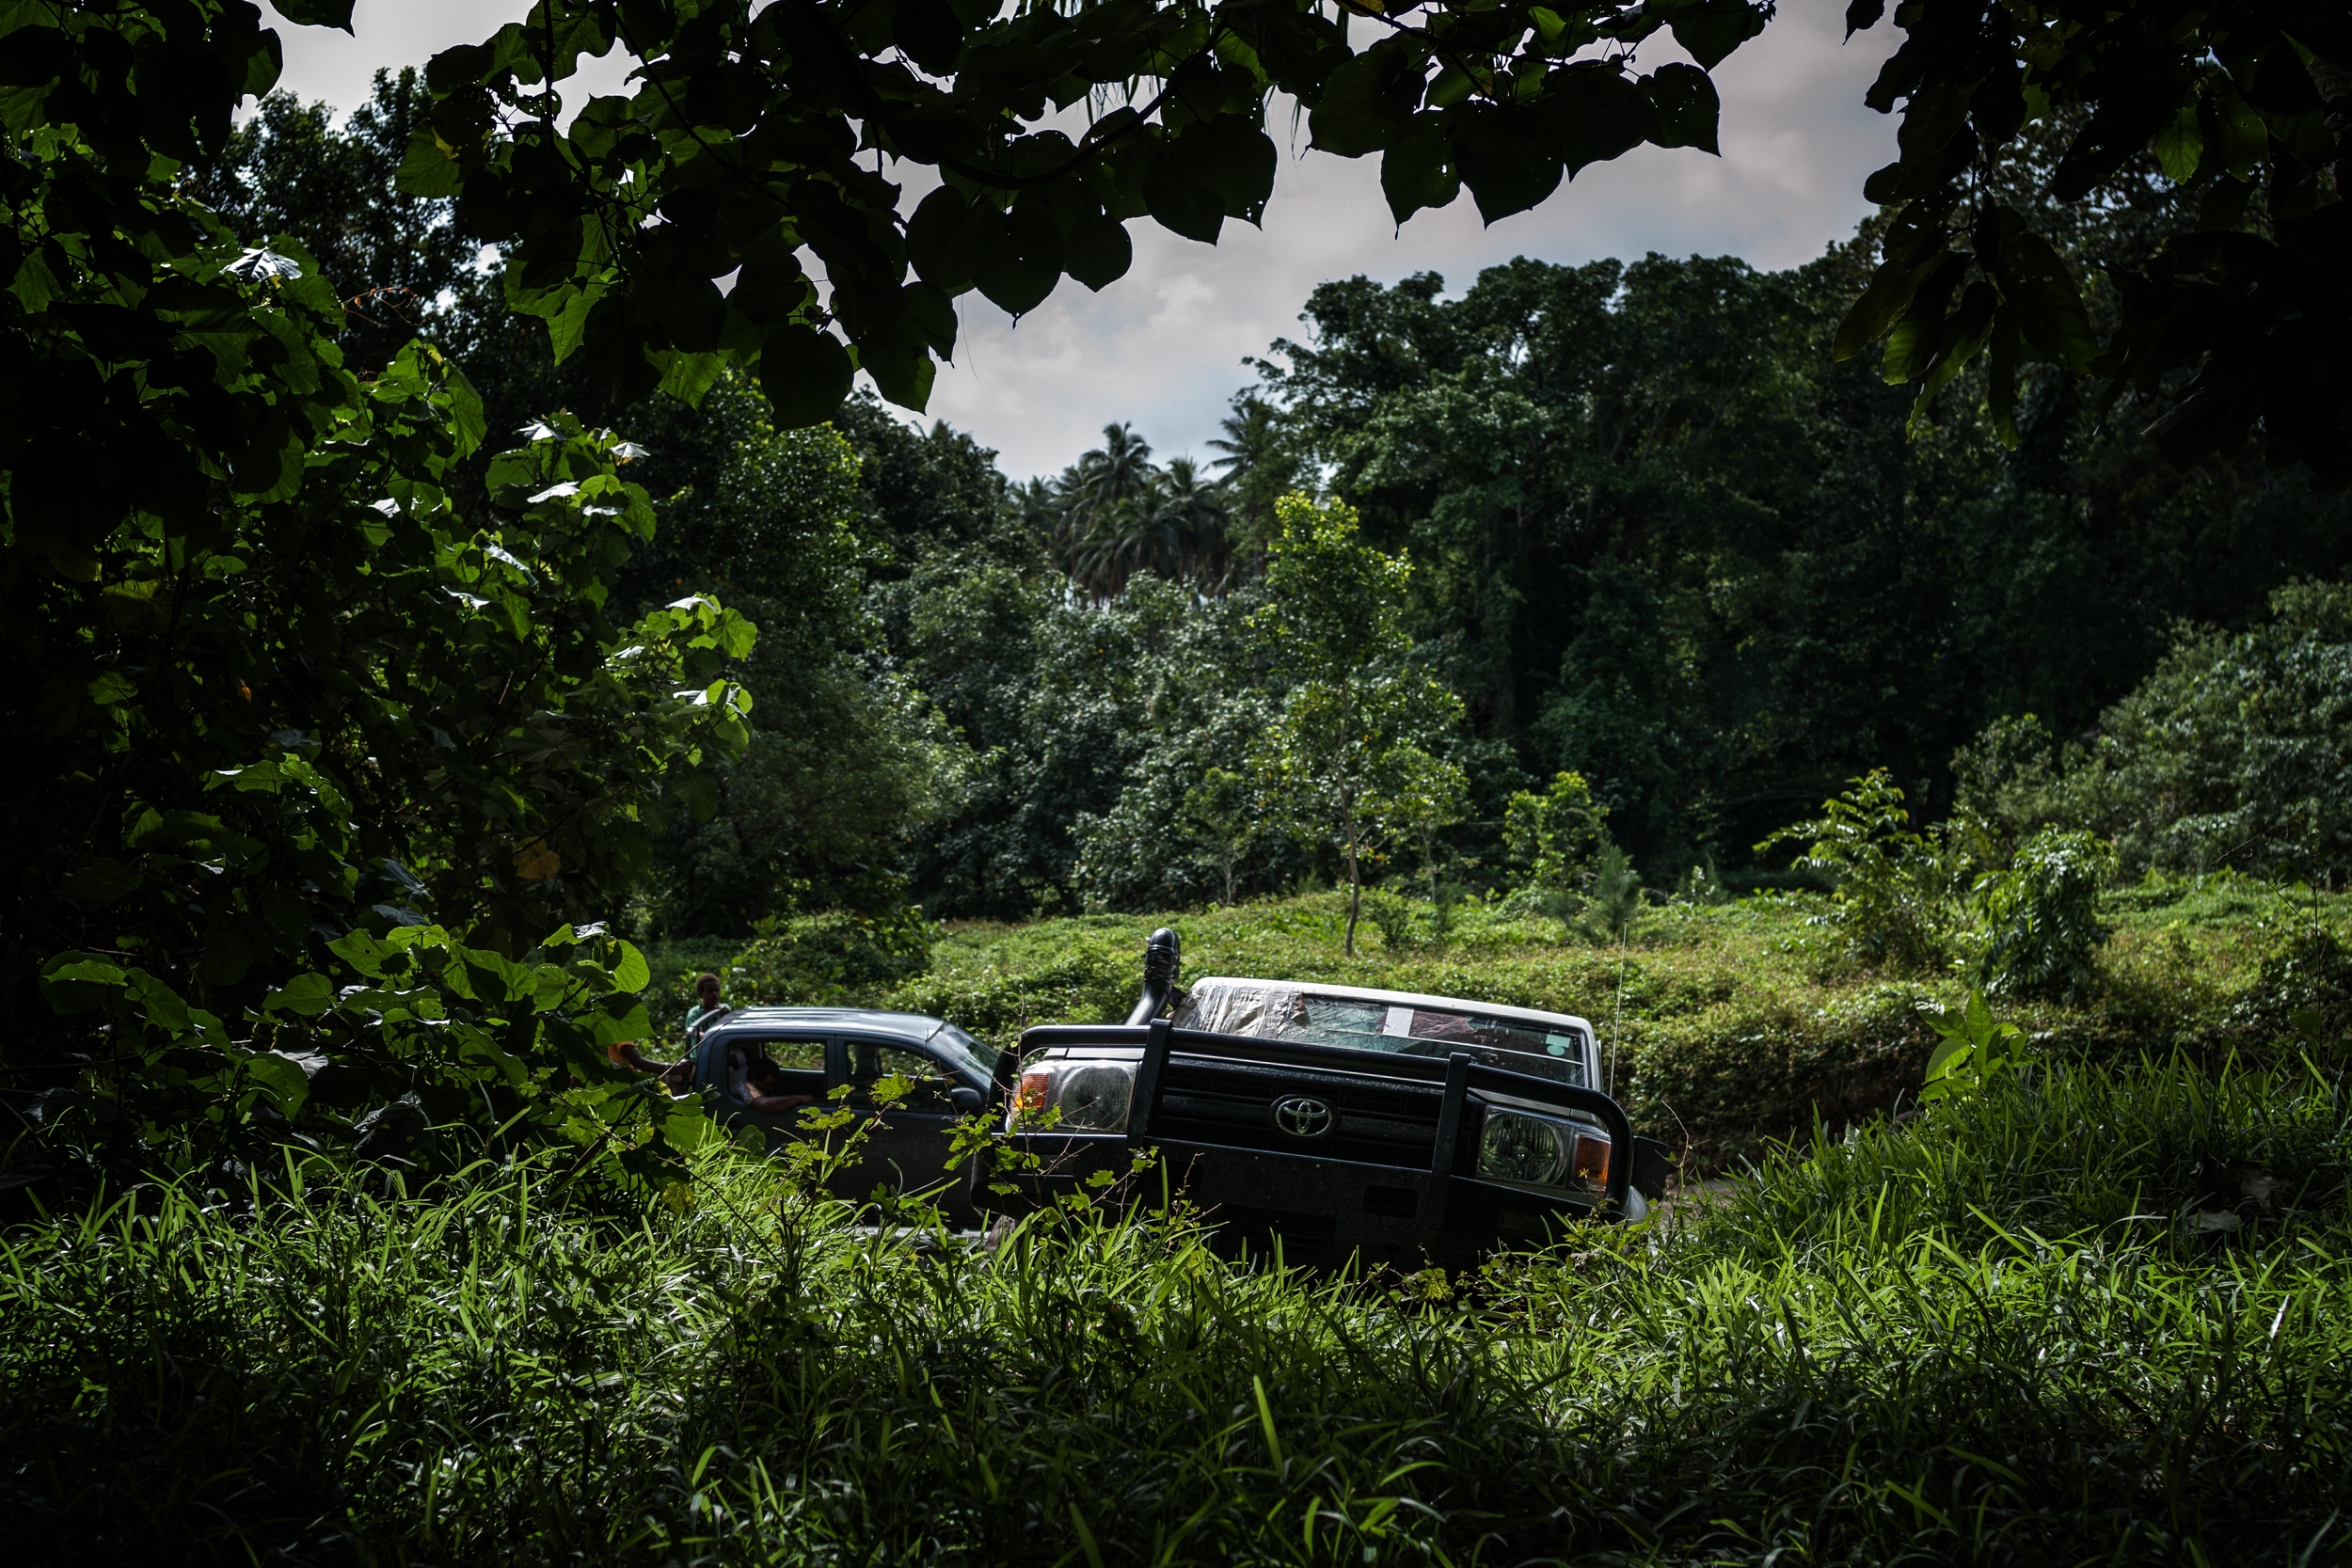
<point>397,677</point>
<point>443,622</point>
<point>1660,537</point>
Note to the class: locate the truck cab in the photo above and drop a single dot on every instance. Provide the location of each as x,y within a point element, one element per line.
<point>819,1050</point>
<point>1352,1123</point>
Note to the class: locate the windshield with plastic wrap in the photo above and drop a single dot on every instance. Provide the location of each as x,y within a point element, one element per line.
<point>1294,1013</point>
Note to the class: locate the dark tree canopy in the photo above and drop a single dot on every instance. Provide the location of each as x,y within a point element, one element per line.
<point>2243,321</point>
<point>286,714</point>
<point>391,257</point>
<point>738,150</point>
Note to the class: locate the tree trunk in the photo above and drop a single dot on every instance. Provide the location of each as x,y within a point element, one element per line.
<point>1354,896</point>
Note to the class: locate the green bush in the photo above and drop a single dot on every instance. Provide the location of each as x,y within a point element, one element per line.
<point>1082,981</point>
<point>828,959</point>
<point>1554,836</point>
<point>1894,902</point>
<point>1405,923</point>
<point>2041,927</point>
<point>1768,1062</point>
<point>2301,997</point>
<point>2234,752</point>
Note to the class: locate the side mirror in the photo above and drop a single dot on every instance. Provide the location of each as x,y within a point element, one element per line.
<point>967,1100</point>
<point>1651,1165</point>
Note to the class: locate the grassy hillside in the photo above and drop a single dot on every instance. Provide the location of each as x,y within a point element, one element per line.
<point>1736,1023</point>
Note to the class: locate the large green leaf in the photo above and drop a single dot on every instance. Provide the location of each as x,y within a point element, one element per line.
<point>1590,112</point>
<point>1683,107</point>
<point>1180,200</point>
<point>1098,253</point>
<point>1366,101</point>
<point>1019,261</point>
<point>1504,161</point>
<point>935,245</point>
<point>1711,29</point>
<point>2041,290</point>
<point>1886,297</point>
<point>1417,171</point>
<point>315,13</point>
<point>307,994</point>
<point>805,375</point>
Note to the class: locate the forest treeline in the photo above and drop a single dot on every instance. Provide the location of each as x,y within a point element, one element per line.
<point>1657,536</point>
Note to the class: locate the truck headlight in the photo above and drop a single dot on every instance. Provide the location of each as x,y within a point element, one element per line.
<point>1542,1152</point>
<point>1092,1097</point>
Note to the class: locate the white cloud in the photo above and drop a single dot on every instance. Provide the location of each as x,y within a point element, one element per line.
<point>1162,348</point>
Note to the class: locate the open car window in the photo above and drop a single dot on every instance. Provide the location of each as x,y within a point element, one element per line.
<point>870,1060</point>
<point>794,1055</point>
<point>1269,1011</point>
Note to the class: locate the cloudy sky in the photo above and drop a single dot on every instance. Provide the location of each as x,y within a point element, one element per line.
<point>1162,348</point>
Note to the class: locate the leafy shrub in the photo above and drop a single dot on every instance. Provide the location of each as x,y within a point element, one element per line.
<point>2041,917</point>
<point>1554,836</point>
<point>816,961</point>
<point>1975,1050</point>
<point>364,1057</point>
<point>2236,751</point>
<point>1756,1062</point>
<point>1894,901</point>
<point>1405,923</point>
<point>1085,984</point>
<point>2302,994</point>
<point>1618,895</point>
<point>2007,781</point>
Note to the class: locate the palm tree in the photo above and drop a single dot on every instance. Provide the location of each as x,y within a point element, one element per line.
<point>1249,436</point>
<point>1114,514</point>
<point>1189,513</point>
<point>1096,493</point>
<point>1118,470</point>
<point>1256,467</point>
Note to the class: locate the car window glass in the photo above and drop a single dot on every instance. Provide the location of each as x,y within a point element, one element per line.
<point>1522,1047</point>
<point>1261,1010</point>
<point>1283,1012</point>
<point>968,1053</point>
<point>1336,1021</point>
<point>871,1059</point>
<point>801,1055</point>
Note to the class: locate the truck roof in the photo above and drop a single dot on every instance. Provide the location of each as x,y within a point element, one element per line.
<point>912,1026</point>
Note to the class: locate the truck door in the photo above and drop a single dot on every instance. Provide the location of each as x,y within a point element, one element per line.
<point>801,1057</point>
<point>906,1149</point>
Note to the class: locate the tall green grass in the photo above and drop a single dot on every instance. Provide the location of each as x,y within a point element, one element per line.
<point>2096,1318</point>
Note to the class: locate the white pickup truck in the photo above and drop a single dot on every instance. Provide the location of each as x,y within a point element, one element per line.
<point>1382,1126</point>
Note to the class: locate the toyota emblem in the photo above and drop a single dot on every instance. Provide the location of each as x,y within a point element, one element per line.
<point>1302,1117</point>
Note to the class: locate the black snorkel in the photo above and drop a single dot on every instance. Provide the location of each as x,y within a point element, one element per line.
<point>1160,957</point>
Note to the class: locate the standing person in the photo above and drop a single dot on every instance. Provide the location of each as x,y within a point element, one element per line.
<point>708,1010</point>
<point>678,1076</point>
